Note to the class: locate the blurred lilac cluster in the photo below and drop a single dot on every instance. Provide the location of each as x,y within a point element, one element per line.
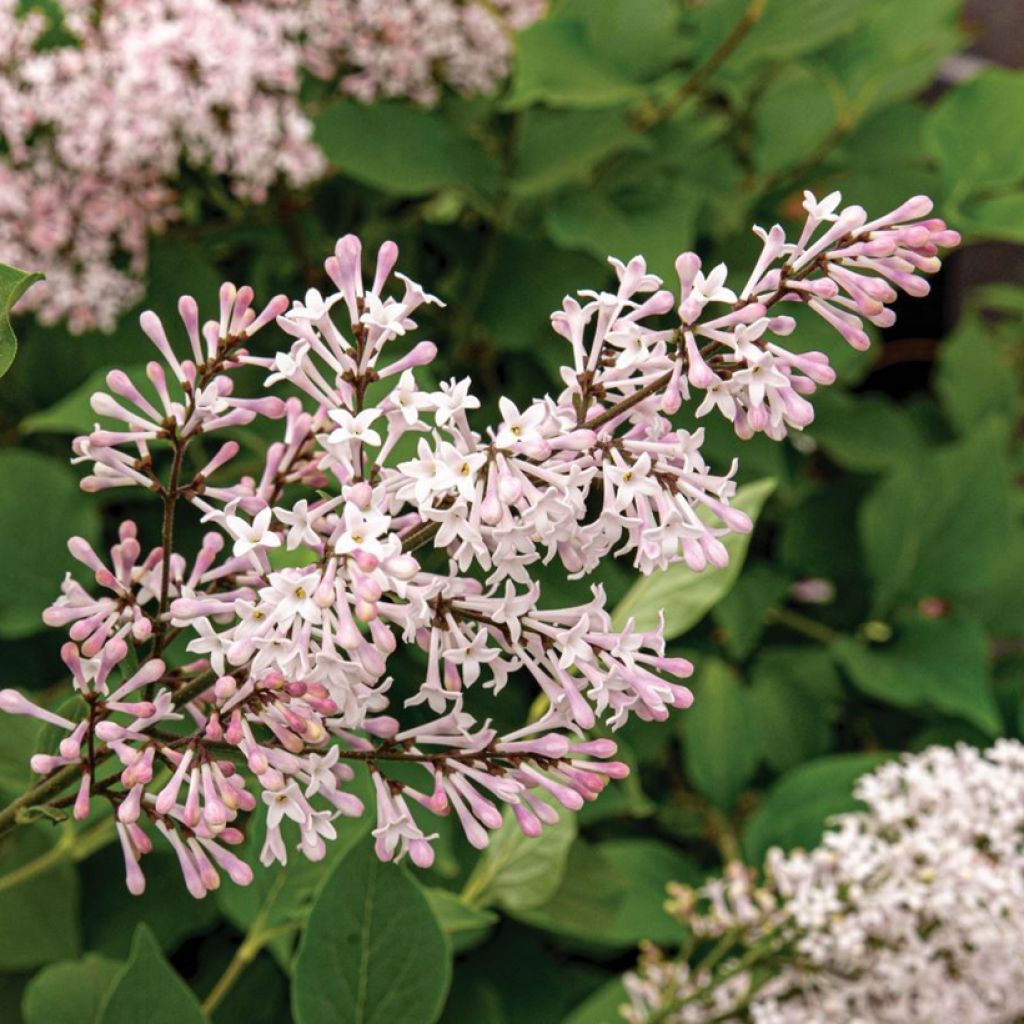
<point>910,910</point>
<point>100,113</point>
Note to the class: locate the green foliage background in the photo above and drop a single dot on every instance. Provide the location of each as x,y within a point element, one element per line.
<point>628,126</point>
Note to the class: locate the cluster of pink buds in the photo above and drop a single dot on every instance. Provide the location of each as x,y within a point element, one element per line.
<point>391,522</point>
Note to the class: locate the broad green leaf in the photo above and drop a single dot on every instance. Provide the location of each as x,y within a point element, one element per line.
<point>148,989</point>
<point>795,114</point>
<point>641,38</point>
<point>796,809</point>
<point>939,526</point>
<point>978,146</point>
<point>527,282</point>
<point>517,872</point>
<point>740,615</point>
<point>586,903</point>
<point>473,998</point>
<point>684,595</point>
<point>895,51</point>
<point>464,925</point>
<point>73,414</point>
<point>720,741</point>
<point>555,65</point>
<point>40,507</point>
<point>19,740</point>
<point>44,906</point>
<point>1000,218</point>
<point>280,896</point>
<point>602,1007</point>
<point>819,537</point>
<point>373,952</point>
<point>791,725</point>
<point>13,284</point>
<point>401,150</point>
<point>775,31</point>
<point>882,160</point>
<point>659,222</point>
<point>940,664</point>
<point>646,867</point>
<point>70,992</point>
<point>111,914</point>
<point>559,147</point>
<point>974,376</point>
<point>866,433</point>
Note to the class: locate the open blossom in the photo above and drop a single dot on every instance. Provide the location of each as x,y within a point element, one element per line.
<point>909,912</point>
<point>95,128</point>
<point>291,688</point>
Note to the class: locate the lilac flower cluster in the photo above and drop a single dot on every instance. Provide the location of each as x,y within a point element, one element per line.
<point>94,132</point>
<point>384,518</point>
<point>909,911</point>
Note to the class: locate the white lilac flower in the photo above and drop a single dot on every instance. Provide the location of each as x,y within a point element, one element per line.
<point>289,653</point>
<point>908,912</point>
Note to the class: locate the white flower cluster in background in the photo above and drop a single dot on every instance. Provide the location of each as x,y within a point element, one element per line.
<point>909,912</point>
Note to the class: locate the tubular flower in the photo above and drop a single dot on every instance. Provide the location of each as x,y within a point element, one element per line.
<point>376,528</point>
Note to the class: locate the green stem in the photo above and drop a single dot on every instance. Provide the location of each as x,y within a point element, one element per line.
<point>802,624</point>
<point>257,937</point>
<point>699,77</point>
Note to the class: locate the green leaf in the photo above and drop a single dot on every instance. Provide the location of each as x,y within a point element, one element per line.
<point>939,526</point>
<point>795,114</point>
<point>602,1007</point>
<point>41,912</point>
<point>720,747</point>
<point>792,726</point>
<point>796,809</point>
<point>977,145</point>
<point>659,222</point>
<point>819,537</point>
<point>70,992</point>
<point>373,951</point>
<point>640,38</point>
<point>110,914</point>
<point>517,872</point>
<point>895,51</point>
<point>464,925</point>
<point>974,376</point>
<point>279,895</point>
<point>867,433</point>
<point>788,28</point>
<point>586,902</point>
<point>559,147</point>
<point>73,414</point>
<point>149,989</point>
<point>528,280</point>
<point>741,613</point>
<point>684,595</point>
<point>1000,217</point>
<point>19,736</point>
<point>401,150</point>
<point>13,284</point>
<point>647,866</point>
<point>941,664</point>
<point>40,507</point>
<point>555,65</point>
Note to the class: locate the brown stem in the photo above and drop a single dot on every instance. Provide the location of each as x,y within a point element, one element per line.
<point>699,78</point>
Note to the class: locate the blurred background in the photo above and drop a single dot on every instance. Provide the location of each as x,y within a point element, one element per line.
<point>879,606</point>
